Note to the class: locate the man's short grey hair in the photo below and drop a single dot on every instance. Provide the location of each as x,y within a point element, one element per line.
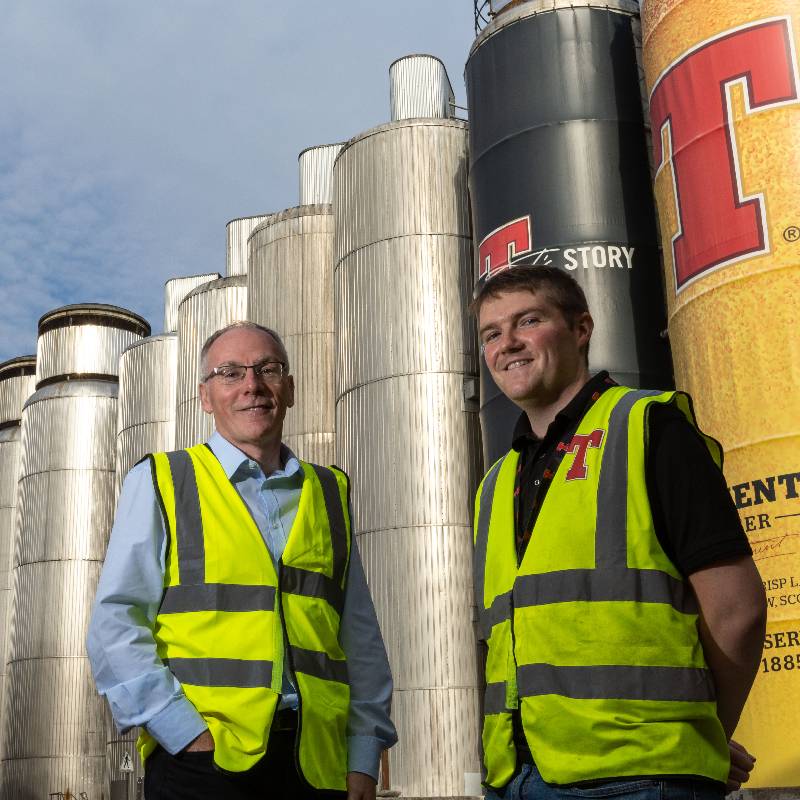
<point>247,326</point>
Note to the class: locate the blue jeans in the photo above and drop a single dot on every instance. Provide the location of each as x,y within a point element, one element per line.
<point>527,784</point>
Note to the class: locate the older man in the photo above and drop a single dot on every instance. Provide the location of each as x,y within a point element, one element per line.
<point>618,597</point>
<point>232,619</point>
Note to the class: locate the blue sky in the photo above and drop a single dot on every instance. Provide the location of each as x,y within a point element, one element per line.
<point>130,133</point>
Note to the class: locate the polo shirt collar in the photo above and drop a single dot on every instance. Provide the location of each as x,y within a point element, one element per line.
<point>572,411</point>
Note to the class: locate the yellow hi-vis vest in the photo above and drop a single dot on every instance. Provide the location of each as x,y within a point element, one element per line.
<point>229,620</point>
<point>594,636</point>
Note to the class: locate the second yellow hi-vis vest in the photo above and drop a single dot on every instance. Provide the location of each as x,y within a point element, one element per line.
<point>229,619</point>
<point>594,636</point>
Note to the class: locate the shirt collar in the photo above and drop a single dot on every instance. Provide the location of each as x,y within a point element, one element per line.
<point>233,460</point>
<point>572,411</point>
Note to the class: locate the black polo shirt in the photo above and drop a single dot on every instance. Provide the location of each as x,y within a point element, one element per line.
<point>695,520</point>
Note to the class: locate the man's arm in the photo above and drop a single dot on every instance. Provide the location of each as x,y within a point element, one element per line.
<point>733,616</point>
<point>369,727</point>
<point>139,688</point>
<point>700,531</point>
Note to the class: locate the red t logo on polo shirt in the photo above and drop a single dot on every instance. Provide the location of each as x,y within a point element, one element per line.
<point>579,445</point>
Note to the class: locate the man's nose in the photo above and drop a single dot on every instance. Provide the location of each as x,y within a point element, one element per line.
<point>509,341</point>
<point>252,381</point>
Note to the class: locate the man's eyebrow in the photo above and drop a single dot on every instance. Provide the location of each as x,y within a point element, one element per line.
<point>536,309</point>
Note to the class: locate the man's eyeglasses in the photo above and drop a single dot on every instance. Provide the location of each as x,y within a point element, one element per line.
<point>267,371</point>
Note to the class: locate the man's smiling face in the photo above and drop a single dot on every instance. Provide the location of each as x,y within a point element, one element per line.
<point>250,412</point>
<point>531,350</point>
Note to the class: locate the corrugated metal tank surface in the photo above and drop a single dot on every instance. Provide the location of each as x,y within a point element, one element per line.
<point>53,731</point>
<point>204,310</point>
<point>147,392</point>
<point>419,87</point>
<point>175,290</point>
<point>290,289</point>
<point>17,379</point>
<point>85,340</point>
<point>145,424</point>
<point>402,281</point>
<point>238,232</point>
<point>316,173</point>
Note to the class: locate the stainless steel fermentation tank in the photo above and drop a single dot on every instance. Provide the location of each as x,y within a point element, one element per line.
<point>203,311</point>
<point>53,730</point>
<point>147,392</point>
<point>17,384</point>
<point>315,165</point>
<point>84,341</point>
<point>559,176</point>
<point>238,232</point>
<point>406,435</point>
<point>290,289</point>
<point>145,424</point>
<point>419,87</point>
<point>175,289</point>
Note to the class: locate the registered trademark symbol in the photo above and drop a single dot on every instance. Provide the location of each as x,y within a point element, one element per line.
<point>792,233</point>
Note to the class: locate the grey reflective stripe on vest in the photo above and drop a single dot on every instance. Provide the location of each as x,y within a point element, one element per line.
<point>499,611</point>
<point>494,698</point>
<point>188,522</point>
<point>611,532</point>
<point>481,543</point>
<point>221,672</point>
<point>312,584</point>
<point>638,585</point>
<point>336,520</point>
<point>181,599</point>
<point>616,682</point>
<point>318,665</point>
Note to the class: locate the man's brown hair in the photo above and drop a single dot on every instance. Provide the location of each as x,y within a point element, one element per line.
<point>562,290</point>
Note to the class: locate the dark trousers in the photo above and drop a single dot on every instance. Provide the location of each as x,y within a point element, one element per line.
<point>193,776</point>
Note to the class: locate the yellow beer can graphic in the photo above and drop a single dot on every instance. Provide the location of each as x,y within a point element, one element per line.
<point>722,78</point>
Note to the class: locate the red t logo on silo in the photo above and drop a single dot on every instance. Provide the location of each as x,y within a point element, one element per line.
<point>717,223</point>
<point>500,247</point>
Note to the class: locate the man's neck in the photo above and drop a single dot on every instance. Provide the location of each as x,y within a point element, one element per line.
<point>267,456</point>
<point>542,411</point>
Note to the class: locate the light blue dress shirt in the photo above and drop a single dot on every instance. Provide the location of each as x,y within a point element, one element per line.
<point>142,691</point>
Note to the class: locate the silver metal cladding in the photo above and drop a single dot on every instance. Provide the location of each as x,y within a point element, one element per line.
<point>402,283</point>
<point>290,289</point>
<point>53,734</point>
<point>85,341</point>
<point>9,473</point>
<point>175,290</point>
<point>316,173</point>
<point>148,375</point>
<point>238,232</point>
<point>203,311</point>
<point>419,87</point>
<point>17,384</point>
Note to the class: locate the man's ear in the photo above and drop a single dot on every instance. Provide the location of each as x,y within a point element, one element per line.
<point>583,327</point>
<point>205,401</point>
<point>290,381</point>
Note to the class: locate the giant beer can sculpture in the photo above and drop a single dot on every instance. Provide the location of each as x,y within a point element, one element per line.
<point>725,114</point>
